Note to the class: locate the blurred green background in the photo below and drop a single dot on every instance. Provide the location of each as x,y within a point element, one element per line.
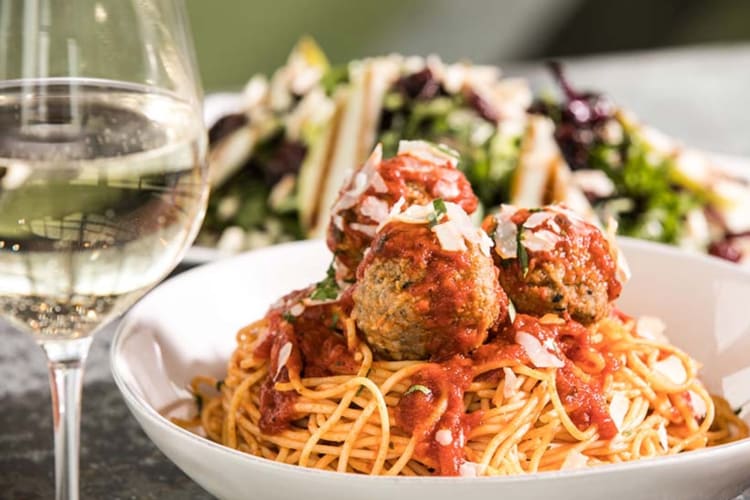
<point>237,38</point>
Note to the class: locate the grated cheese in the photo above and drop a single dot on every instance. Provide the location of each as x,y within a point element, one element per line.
<point>672,368</point>
<point>539,356</point>
<point>284,353</point>
<point>575,460</point>
<point>444,437</point>
<point>618,408</point>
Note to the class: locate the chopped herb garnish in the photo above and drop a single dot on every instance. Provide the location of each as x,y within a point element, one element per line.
<point>417,387</point>
<point>440,210</point>
<point>288,317</point>
<point>327,289</point>
<point>511,312</point>
<point>198,402</point>
<point>219,385</point>
<point>521,254</point>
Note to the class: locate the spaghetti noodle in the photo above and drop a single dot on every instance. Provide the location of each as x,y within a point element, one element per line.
<point>521,425</point>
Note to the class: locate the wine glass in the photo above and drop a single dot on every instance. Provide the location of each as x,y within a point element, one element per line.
<point>103,178</point>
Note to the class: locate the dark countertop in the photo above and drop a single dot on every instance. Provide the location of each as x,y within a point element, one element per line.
<point>699,95</point>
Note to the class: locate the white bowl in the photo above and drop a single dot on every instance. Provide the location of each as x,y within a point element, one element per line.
<point>187,326</point>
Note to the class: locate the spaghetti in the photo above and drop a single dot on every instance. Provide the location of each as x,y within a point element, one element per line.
<point>520,423</point>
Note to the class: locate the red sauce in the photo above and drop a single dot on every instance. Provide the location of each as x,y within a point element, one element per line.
<point>583,400</point>
<point>318,350</point>
<point>276,408</point>
<point>415,414</point>
<point>404,174</point>
<point>445,289</point>
<point>415,180</point>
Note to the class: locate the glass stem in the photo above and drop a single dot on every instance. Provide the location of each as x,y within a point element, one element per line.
<point>65,359</point>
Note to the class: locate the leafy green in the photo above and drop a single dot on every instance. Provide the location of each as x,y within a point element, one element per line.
<point>334,77</point>
<point>439,210</point>
<point>654,206</point>
<point>328,289</point>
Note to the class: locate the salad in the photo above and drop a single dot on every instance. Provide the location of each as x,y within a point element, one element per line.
<point>278,160</point>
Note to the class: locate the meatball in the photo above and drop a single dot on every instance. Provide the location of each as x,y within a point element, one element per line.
<point>551,260</point>
<point>418,174</point>
<point>423,290</point>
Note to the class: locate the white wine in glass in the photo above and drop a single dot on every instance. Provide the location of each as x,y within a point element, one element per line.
<point>103,180</point>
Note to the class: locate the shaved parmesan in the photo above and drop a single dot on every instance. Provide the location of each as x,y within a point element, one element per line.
<point>414,214</point>
<point>672,368</point>
<point>472,234</point>
<point>430,152</point>
<point>338,221</point>
<point>297,309</point>
<point>663,438</point>
<point>537,219</point>
<point>511,381</point>
<point>539,356</point>
<point>378,184</point>
<point>447,190</point>
<point>506,233</point>
<point>698,404</point>
<point>540,241</point>
<point>575,460</point>
<point>470,469</point>
<point>374,208</point>
<point>284,353</point>
<point>449,236</point>
<point>618,408</point>
<point>444,437</point>
<point>651,328</point>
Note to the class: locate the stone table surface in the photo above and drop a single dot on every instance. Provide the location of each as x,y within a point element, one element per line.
<point>699,95</point>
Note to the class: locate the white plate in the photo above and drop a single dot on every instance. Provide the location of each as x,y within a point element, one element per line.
<point>187,326</point>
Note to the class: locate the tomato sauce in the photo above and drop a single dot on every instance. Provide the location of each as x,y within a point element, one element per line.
<point>418,413</point>
<point>405,176</point>
<point>582,396</point>
<point>318,349</point>
<point>582,247</point>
